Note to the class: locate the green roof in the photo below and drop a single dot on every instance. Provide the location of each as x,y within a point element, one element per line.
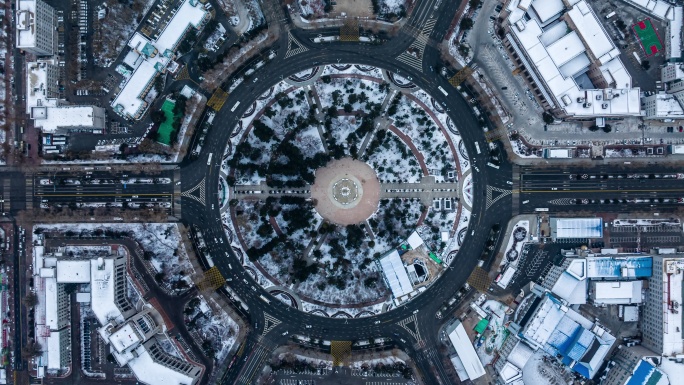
<point>482,325</point>
<point>166,128</point>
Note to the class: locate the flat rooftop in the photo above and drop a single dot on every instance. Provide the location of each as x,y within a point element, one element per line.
<point>25,23</point>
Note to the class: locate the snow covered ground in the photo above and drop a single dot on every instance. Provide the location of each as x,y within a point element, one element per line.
<point>213,325</point>
<point>393,161</point>
<point>388,7</point>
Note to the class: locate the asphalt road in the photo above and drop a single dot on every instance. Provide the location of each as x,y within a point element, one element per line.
<point>413,326</point>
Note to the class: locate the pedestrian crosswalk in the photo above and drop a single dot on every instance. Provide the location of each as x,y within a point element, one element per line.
<point>254,364</point>
<point>413,56</point>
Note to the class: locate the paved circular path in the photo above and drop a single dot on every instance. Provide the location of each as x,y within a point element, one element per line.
<point>346,191</point>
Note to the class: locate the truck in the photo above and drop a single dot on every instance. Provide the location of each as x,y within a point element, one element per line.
<point>211,154</point>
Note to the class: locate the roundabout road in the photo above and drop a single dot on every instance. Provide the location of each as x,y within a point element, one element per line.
<point>412,326</point>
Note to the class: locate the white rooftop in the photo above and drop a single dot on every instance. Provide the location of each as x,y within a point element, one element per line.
<point>51,313</point>
<point>547,9</point>
<point>414,240</point>
<point>558,55</point>
<point>396,274</point>
<point>148,371</point>
<point>102,291</point>
<point>73,271</point>
<point>577,227</point>
<point>617,292</point>
<point>673,275</point>
<point>129,101</point>
<point>53,351</point>
<point>466,352</point>
<point>25,23</point>
<point>124,338</point>
<point>36,85</point>
<point>657,8</point>
<point>674,43</point>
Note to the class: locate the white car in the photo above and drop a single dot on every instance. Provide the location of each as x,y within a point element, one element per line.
<point>286,333</point>
<point>377,322</point>
<point>308,326</point>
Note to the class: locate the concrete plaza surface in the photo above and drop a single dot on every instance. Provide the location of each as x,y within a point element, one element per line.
<point>346,210</point>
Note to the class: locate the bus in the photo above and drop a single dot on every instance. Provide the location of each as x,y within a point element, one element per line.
<point>541,209</point>
<point>211,154</point>
<point>268,301</point>
<point>477,147</point>
<point>490,164</point>
<point>608,16</point>
<point>235,107</point>
<point>443,91</point>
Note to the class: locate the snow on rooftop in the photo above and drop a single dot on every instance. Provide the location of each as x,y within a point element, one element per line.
<point>619,267</point>
<point>129,101</point>
<point>588,25</point>
<point>148,371</point>
<point>124,338</point>
<point>73,271</point>
<point>543,323</point>
<point>465,351</point>
<point>414,240</point>
<point>666,105</point>
<point>617,292</point>
<point>51,306</point>
<point>565,49</point>
<point>577,227</point>
<point>657,8</point>
<point>556,56</point>
<point>102,291</point>
<point>520,354</point>
<point>547,9</point>
<point>674,45</point>
<point>673,275</point>
<point>25,23</point>
<point>52,118</point>
<point>396,274</point>
<point>37,85</point>
<point>54,357</point>
<point>189,14</point>
<point>571,289</point>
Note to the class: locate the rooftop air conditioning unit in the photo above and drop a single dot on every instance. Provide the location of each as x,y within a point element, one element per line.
<point>586,105</point>
<point>598,97</point>
<point>604,105</point>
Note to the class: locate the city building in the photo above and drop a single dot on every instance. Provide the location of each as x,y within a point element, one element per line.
<point>634,365</point>
<point>616,292</point>
<point>132,332</point>
<point>662,313</point>
<point>466,362</point>
<point>149,58</point>
<point>546,322</point>
<point>51,114</point>
<point>570,60</point>
<point>513,356</point>
<point>36,27</point>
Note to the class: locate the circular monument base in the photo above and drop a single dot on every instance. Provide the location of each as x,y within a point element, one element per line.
<point>346,191</point>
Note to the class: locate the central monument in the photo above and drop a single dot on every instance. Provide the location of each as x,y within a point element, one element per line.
<point>346,191</point>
